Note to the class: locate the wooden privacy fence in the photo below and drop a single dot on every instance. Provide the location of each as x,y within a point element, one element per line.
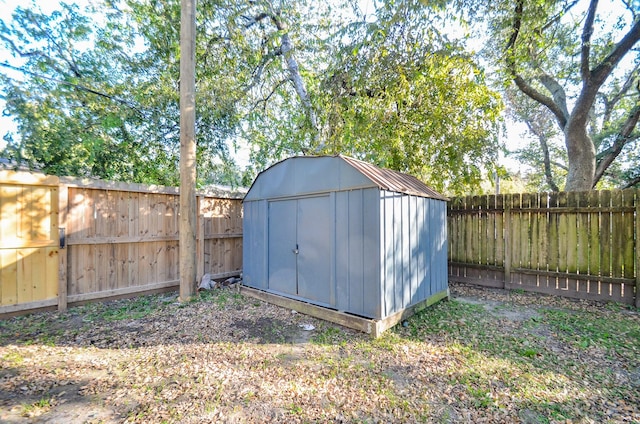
<point>574,244</point>
<point>66,240</point>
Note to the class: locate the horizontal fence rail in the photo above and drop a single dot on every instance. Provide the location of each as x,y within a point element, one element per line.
<point>111,239</point>
<point>69,240</point>
<point>575,244</point>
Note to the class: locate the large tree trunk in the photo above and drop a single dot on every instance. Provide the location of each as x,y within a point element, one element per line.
<point>582,157</point>
<point>580,149</point>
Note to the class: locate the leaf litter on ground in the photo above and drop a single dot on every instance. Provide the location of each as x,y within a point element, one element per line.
<point>486,355</point>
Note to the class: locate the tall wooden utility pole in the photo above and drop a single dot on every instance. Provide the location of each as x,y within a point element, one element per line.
<point>187,226</point>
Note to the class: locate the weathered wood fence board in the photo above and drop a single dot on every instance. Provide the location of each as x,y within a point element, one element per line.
<point>120,239</point>
<point>28,239</point>
<point>69,240</point>
<point>222,239</point>
<point>576,244</point>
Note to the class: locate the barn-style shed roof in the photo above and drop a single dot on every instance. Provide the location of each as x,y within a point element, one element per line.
<point>301,175</point>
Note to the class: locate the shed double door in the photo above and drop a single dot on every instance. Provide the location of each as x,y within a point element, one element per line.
<point>300,248</point>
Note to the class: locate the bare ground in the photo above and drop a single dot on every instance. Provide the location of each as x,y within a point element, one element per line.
<point>488,356</point>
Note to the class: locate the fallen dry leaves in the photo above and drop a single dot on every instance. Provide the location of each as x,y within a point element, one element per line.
<point>489,356</point>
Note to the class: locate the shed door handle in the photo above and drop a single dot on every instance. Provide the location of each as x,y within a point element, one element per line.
<point>295,251</point>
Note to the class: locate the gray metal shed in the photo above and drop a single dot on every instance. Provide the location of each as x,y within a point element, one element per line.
<point>340,233</point>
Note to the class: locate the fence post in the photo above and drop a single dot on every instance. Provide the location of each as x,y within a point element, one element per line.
<point>507,240</point>
<point>199,240</point>
<point>637,247</point>
<point>63,203</point>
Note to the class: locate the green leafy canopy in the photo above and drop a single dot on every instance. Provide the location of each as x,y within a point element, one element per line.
<point>99,92</point>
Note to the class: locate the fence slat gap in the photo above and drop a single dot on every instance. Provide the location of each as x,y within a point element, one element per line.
<point>581,245</point>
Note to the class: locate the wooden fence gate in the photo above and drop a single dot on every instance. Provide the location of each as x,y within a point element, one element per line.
<point>29,240</point>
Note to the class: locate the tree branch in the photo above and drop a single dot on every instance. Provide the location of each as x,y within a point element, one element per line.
<point>600,73</point>
<point>517,23</point>
<point>16,49</point>
<point>631,183</point>
<point>264,100</point>
<point>252,20</point>
<point>587,32</point>
<point>286,49</point>
<point>32,53</point>
<point>631,6</point>
<point>71,63</point>
<point>542,99</point>
<point>78,87</point>
<point>609,104</point>
<point>558,16</point>
<point>545,156</point>
<point>257,72</point>
<point>522,84</point>
<point>622,139</point>
<point>560,165</point>
<point>556,90</point>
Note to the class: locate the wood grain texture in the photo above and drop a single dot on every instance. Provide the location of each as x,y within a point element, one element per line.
<point>581,244</point>
<point>117,240</point>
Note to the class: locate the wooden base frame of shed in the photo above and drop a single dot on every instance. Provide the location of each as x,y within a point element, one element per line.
<point>371,326</point>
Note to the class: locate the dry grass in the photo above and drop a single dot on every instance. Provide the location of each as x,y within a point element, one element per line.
<point>486,356</point>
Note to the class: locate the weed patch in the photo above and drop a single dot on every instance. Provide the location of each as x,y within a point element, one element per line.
<point>584,330</point>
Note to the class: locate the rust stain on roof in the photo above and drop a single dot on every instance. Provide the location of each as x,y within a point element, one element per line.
<point>390,180</point>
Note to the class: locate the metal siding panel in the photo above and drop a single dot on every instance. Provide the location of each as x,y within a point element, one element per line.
<point>332,256</point>
<point>342,251</point>
<point>421,240</point>
<point>254,247</point>
<point>317,174</point>
<point>381,269</point>
<point>414,248</point>
<point>406,250</point>
<point>396,252</point>
<point>427,285</point>
<point>443,282</point>
<point>433,248</point>
<point>379,252</point>
<point>356,277</point>
<point>426,246</point>
<point>356,252</point>
<point>274,177</point>
<point>388,200</point>
<point>274,182</point>
<point>322,174</point>
<point>282,241</point>
<point>371,236</point>
<point>437,222</point>
<point>314,245</point>
<point>430,247</point>
<point>264,212</point>
<point>247,242</point>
